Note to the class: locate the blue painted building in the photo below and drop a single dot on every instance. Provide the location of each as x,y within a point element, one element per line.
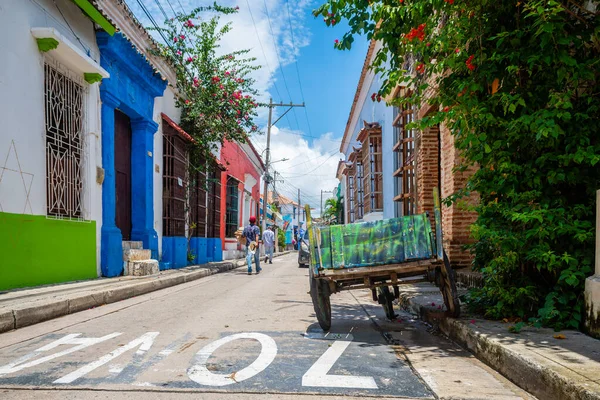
<point>128,132</point>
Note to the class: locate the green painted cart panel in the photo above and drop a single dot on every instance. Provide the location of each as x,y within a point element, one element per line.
<point>390,241</point>
<point>374,243</point>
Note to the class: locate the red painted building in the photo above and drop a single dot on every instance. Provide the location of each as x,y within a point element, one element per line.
<point>240,192</point>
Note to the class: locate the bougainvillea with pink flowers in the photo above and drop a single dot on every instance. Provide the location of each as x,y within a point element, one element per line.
<point>215,89</point>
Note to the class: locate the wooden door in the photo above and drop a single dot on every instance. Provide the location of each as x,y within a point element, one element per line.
<point>123,173</point>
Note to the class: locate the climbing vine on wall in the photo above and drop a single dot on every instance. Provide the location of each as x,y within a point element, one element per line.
<point>517,82</point>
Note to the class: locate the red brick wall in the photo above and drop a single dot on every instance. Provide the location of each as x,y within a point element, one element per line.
<point>456,219</point>
<point>427,170</point>
<point>238,165</point>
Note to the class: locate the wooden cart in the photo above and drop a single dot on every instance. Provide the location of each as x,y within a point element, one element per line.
<point>381,256</point>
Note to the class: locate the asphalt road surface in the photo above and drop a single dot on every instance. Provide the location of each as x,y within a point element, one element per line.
<point>233,335</point>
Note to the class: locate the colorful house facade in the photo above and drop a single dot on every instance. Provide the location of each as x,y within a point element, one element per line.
<point>240,192</point>
<point>390,169</point>
<point>49,142</point>
<point>89,152</point>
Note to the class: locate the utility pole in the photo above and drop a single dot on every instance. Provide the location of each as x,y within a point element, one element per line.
<point>275,197</point>
<point>299,208</point>
<point>267,178</point>
<point>266,184</point>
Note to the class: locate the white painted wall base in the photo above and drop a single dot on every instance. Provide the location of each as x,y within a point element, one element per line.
<point>592,305</point>
<point>592,285</point>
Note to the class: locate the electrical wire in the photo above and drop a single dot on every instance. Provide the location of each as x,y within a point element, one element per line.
<point>72,31</point>
<point>296,64</point>
<point>172,9</point>
<point>153,22</point>
<point>265,55</point>
<point>161,9</point>
<point>312,159</point>
<point>279,60</point>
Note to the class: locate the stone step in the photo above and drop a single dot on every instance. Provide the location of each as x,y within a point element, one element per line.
<point>129,245</point>
<point>136,255</point>
<point>141,268</point>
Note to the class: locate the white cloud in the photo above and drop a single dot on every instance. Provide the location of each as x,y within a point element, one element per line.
<point>252,30</point>
<point>311,166</point>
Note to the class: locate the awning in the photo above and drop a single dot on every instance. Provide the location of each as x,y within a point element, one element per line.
<point>51,41</point>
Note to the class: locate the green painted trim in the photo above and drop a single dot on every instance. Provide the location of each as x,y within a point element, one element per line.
<point>47,44</point>
<point>95,16</point>
<point>92,77</point>
<point>36,250</point>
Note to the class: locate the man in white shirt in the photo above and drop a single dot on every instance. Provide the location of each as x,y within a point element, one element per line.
<point>269,242</point>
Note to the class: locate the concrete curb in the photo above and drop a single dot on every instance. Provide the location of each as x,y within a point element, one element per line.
<point>30,315</point>
<point>539,380</point>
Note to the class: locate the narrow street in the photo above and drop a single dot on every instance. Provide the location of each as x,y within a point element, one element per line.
<point>206,336</point>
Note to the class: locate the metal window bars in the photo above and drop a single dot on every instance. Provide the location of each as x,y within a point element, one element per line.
<point>175,183</point>
<point>232,207</point>
<point>66,146</point>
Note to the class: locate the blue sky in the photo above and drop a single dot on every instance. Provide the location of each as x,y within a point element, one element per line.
<point>329,78</point>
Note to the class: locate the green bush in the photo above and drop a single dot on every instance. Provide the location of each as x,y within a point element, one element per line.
<point>281,238</point>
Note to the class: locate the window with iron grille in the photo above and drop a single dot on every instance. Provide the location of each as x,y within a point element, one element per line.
<point>64,98</point>
<point>350,194</point>
<point>198,200</point>
<point>359,209</point>
<point>213,209</point>
<point>404,162</point>
<point>232,207</point>
<point>175,180</point>
<point>373,173</point>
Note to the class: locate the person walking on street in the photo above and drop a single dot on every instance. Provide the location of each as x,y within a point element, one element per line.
<point>269,242</point>
<point>252,234</point>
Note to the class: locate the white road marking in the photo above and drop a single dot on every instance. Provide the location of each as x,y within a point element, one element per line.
<point>73,339</point>
<point>317,374</point>
<point>166,352</point>
<point>116,369</point>
<point>144,342</point>
<point>199,373</point>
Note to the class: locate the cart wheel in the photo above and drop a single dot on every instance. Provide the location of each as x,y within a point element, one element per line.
<point>319,292</point>
<point>448,288</point>
<point>386,298</point>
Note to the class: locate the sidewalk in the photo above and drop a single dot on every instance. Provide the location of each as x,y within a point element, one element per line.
<point>545,366</point>
<point>23,307</point>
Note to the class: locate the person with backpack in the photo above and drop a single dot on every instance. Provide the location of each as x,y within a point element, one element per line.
<point>252,235</point>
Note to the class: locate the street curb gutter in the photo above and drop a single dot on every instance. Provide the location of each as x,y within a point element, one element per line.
<point>19,318</point>
<point>536,379</point>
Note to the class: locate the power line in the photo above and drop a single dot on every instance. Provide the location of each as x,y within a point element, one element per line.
<point>161,9</point>
<point>153,22</point>
<point>180,5</point>
<point>279,59</point>
<point>172,9</point>
<point>265,55</point>
<point>296,64</point>
<point>311,159</point>
<point>72,31</point>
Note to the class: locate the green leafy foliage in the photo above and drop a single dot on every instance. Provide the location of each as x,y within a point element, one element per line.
<point>517,82</point>
<point>215,90</point>
<point>281,238</point>
<point>333,211</point>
